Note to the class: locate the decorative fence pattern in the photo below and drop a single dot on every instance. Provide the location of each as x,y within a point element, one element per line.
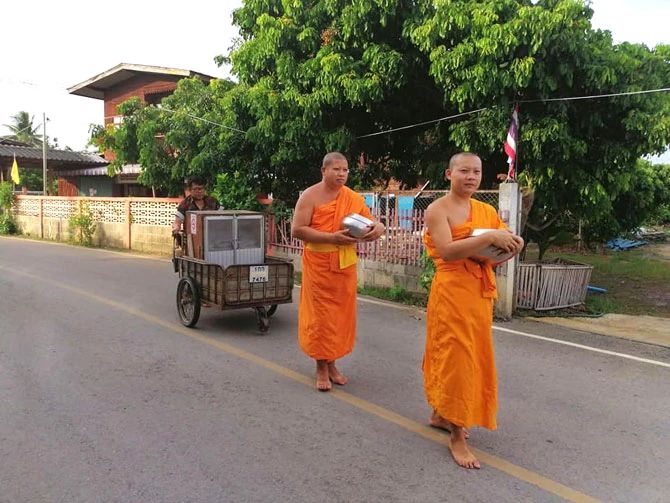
<point>29,207</point>
<point>53,208</point>
<point>139,211</point>
<point>153,212</point>
<point>418,200</point>
<point>110,210</point>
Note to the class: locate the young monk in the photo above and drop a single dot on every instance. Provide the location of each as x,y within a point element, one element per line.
<point>327,310</point>
<point>458,365</point>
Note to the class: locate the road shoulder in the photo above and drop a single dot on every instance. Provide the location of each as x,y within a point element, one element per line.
<point>649,329</point>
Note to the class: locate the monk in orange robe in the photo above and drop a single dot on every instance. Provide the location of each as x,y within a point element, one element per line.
<point>327,310</point>
<point>458,366</point>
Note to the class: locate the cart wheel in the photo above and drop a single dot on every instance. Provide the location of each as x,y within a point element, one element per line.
<point>272,309</point>
<point>188,301</point>
<point>263,319</point>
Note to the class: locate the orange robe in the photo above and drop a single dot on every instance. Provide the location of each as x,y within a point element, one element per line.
<point>458,365</point>
<point>327,311</point>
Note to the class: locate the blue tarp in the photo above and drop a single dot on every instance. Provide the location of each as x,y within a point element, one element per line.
<point>623,244</point>
<point>406,204</point>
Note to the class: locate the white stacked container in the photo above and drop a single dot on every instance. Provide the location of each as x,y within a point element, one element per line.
<point>233,238</point>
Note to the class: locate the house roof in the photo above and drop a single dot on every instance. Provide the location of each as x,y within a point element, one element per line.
<point>16,143</point>
<point>31,157</point>
<point>95,87</point>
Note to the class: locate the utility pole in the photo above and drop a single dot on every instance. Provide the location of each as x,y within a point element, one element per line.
<point>44,153</point>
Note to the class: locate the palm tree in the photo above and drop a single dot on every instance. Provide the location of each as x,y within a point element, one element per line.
<point>23,130</point>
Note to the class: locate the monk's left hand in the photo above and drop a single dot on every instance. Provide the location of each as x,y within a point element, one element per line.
<point>374,233</point>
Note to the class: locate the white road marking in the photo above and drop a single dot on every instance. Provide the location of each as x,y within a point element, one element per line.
<point>581,346</point>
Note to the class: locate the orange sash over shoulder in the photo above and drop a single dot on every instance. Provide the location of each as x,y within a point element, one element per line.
<point>327,311</point>
<point>458,366</point>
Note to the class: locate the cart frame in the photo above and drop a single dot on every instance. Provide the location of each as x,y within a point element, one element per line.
<point>261,287</point>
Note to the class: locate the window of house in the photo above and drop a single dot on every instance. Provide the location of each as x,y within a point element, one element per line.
<point>156,98</point>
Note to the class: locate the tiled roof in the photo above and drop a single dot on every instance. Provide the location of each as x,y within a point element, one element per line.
<point>63,156</point>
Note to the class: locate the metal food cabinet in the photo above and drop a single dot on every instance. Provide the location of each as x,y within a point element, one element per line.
<point>221,262</point>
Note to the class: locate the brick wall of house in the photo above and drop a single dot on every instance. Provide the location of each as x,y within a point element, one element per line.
<point>139,86</point>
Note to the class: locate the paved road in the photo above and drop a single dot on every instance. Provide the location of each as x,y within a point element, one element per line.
<point>105,397</point>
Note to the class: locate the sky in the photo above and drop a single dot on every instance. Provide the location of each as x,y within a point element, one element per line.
<point>55,45</point>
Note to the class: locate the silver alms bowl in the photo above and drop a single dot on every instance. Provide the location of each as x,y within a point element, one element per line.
<point>491,255</point>
<point>357,225</point>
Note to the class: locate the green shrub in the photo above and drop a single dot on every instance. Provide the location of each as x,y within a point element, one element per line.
<point>8,225</point>
<point>426,277</point>
<point>83,225</point>
<point>398,293</point>
<point>6,196</point>
<point>234,192</point>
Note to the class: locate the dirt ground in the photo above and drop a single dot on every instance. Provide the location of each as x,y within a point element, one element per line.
<point>659,250</point>
<point>660,296</point>
<point>650,329</point>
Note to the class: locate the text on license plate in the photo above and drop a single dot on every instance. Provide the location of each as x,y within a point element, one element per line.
<point>258,273</point>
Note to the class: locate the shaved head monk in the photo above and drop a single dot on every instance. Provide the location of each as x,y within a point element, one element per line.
<point>327,311</point>
<point>458,365</point>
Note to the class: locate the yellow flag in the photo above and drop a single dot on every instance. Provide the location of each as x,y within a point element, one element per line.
<point>15,172</point>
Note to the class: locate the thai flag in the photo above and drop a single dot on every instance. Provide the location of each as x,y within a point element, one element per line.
<point>510,143</point>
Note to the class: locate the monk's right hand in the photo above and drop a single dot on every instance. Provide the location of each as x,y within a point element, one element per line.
<point>343,238</point>
<point>504,239</point>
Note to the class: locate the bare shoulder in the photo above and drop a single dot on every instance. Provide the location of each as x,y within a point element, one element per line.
<point>308,196</point>
<point>438,207</point>
<point>436,214</point>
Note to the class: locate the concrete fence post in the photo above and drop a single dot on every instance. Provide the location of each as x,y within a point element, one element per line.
<point>41,199</point>
<point>129,222</point>
<point>509,209</point>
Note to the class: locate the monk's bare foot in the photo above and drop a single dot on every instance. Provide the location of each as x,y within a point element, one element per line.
<point>322,376</point>
<point>335,375</point>
<point>437,421</point>
<point>460,450</point>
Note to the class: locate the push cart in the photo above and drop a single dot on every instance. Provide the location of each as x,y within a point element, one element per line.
<point>221,263</point>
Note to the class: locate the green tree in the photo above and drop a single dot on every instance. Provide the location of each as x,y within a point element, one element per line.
<point>318,78</point>
<point>581,154</point>
<point>24,130</point>
<point>31,178</point>
<point>314,76</point>
<point>325,74</point>
<point>647,198</point>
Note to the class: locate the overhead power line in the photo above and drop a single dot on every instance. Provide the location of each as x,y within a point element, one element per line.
<point>422,123</point>
<point>568,98</point>
<point>450,117</point>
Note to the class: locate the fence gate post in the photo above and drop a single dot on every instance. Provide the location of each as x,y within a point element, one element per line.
<point>509,209</point>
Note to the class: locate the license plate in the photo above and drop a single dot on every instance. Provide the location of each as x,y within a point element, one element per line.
<point>258,273</point>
